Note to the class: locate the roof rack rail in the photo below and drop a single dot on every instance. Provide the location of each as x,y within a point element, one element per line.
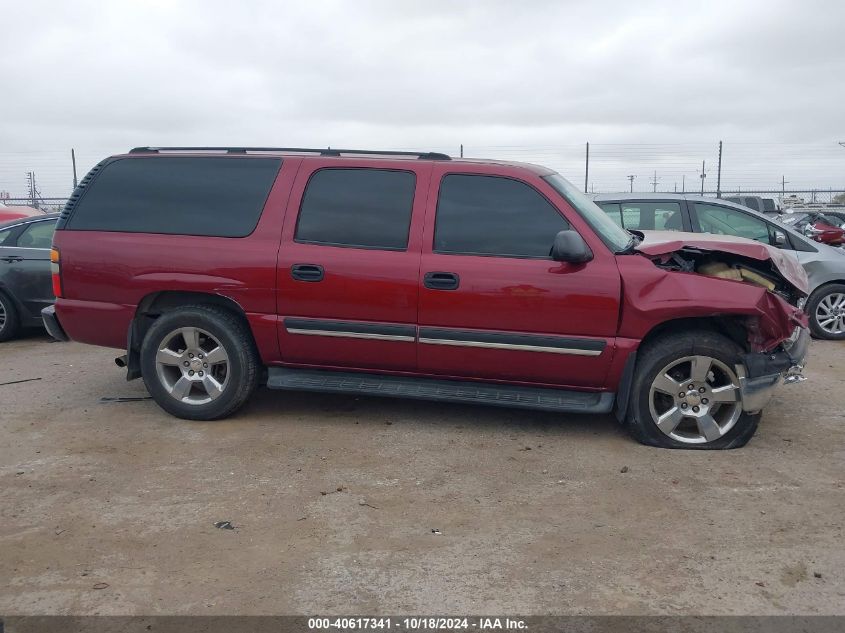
<point>328,151</point>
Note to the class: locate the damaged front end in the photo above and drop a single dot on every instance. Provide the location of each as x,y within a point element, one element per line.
<point>760,309</point>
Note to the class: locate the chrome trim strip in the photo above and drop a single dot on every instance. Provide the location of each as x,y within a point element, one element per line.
<point>377,337</point>
<point>511,346</point>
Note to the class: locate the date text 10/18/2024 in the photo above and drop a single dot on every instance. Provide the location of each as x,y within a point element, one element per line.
<point>417,624</point>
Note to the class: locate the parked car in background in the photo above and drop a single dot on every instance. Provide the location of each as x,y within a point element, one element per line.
<point>16,213</point>
<point>25,282</point>
<point>821,227</point>
<point>771,205</point>
<point>418,276</point>
<point>824,264</point>
<point>837,216</point>
<point>752,202</point>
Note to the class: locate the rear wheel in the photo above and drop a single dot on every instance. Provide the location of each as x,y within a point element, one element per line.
<point>826,308</point>
<point>199,362</point>
<point>686,394</point>
<point>9,320</point>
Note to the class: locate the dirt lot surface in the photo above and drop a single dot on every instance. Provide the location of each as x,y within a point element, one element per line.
<point>110,508</point>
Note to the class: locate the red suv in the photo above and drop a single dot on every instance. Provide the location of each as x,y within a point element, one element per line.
<point>416,275</point>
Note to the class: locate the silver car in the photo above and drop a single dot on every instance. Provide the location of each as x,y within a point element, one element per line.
<point>824,264</point>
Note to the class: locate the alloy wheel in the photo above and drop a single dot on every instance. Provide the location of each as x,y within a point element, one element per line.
<point>2,314</point>
<point>830,313</point>
<point>192,366</point>
<point>695,399</point>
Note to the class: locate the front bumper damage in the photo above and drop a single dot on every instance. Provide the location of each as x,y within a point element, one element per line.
<point>760,373</point>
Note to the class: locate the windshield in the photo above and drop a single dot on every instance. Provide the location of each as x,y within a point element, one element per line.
<point>616,238</point>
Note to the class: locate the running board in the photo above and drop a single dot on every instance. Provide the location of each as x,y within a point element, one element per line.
<point>559,400</point>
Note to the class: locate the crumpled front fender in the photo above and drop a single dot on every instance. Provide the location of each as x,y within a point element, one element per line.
<point>653,295</point>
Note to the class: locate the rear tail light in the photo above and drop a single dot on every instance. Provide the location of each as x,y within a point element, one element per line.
<point>56,272</point>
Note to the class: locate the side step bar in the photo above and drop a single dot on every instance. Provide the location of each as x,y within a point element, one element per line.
<point>559,400</point>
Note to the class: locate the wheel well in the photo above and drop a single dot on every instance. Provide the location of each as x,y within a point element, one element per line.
<point>11,297</point>
<point>732,327</point>
<point>154,305</point>
<point>817,289</point>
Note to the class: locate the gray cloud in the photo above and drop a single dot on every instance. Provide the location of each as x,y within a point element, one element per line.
<point>105,76</point>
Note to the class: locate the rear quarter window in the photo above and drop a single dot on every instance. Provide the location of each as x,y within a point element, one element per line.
<point>179,195</point>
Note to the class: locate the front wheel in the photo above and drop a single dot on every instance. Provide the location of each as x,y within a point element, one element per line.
<point>199,362</point>
<point>826,308</point>
<point>686,394</point>
<point>9,321</point>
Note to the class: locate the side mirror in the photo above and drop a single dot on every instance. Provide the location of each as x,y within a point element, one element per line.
<point>780,238</point>
<point>570,247</point>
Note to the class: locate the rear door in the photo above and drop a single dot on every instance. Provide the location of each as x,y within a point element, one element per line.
<point>349,261</point>
<point>493,304</point>
<point>25,266</point>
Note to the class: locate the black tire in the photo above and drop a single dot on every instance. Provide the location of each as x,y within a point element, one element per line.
<point>812,307</point>
<point>12,323</point>
<point>243,364</point>
<point>661,352</point>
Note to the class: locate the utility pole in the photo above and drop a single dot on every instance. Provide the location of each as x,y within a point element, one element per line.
<point>34,194</point>
<point>719,174</point>
<point>783,183</point>
<point>654,182</point>
<point>462,150</point>
<point>587,168</point>
<point>702,176</point>
<point>631,180</point>
<point>73,160</point>
<point>683,183</point>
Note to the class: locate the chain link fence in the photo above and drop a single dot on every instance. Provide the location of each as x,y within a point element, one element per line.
<point>47,205</point>
<point>795,174</point>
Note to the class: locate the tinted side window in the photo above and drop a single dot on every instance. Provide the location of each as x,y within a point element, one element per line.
<point>365,208</point>
<point>179,195</point>
<point>727,221</point>
<point>4,235</point>
<point>769,205</point>
<point>612,209</point>
<point>38,235</point>
<point>489,215</point>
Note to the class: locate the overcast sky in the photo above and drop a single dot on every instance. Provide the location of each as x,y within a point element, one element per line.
<point>531,75</point>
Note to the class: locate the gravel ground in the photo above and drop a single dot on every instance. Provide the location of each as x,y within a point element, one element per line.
<point>110,508</point>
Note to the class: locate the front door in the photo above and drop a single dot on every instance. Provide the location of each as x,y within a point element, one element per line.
<point>493,304</point>
<point>348,264</point>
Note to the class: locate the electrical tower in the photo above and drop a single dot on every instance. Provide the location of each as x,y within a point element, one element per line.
<point>654,182</point>
<point>35,198</point>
